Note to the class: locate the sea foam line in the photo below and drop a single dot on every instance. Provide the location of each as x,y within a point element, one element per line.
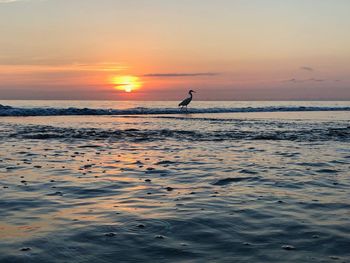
<point>17,111</point>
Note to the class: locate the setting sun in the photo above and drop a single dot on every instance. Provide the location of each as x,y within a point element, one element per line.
<point>127,83</point>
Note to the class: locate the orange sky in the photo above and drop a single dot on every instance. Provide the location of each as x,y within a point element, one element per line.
<point>226,50</point>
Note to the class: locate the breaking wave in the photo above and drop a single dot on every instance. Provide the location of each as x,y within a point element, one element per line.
<point>17,111</point>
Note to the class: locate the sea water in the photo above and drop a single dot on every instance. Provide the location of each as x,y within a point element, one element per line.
<point>102,181</point>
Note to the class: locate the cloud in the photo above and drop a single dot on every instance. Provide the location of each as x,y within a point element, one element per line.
<point>75,67</point>
<point>294,80</point>
<point>9,1</point>
<point>13,1</point>
<point>317,80</point>
<point>306,68</point>
<point>174,75</point>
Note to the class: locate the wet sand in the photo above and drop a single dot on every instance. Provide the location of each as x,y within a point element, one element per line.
<point>150,197</point>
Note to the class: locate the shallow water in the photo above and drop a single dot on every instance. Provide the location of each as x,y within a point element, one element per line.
<point>228,187</point>
<point>93,108</point>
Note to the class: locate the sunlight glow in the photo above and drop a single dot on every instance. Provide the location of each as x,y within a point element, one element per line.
<point>127,83</point>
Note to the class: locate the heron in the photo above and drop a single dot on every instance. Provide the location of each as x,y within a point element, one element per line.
<point>186,101</point>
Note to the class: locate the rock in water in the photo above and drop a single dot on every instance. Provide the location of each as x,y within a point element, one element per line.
<point>288,247</point>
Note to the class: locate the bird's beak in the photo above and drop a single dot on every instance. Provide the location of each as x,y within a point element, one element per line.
<point>193,91</point>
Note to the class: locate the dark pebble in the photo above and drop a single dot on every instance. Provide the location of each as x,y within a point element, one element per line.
<point>169,188</point>
<point>25,249</point>
<point>288,247</point>
<point>110,234</point>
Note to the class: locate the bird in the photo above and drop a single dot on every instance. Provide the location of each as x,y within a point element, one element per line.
<point>186,101</point>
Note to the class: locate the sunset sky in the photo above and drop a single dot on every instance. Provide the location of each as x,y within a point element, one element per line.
<point>159,49</point>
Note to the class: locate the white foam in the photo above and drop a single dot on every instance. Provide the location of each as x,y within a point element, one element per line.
<point>16,111</point>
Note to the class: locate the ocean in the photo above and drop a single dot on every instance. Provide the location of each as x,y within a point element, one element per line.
<point>116,181</point>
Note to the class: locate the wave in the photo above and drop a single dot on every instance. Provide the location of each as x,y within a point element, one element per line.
<point>42,132</point>
<point>17,111</point>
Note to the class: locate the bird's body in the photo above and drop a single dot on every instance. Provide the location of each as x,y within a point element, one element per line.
<point>186,101</point>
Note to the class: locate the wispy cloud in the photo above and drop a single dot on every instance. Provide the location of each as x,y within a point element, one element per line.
<point>174,75</point>
<point>294,80</point>
<point>306,68</point>
<point>75,67</point>
<point>76,73</point>
<point>13,1</point>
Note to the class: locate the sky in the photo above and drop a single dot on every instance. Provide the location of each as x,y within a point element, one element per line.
<point>159,49</point>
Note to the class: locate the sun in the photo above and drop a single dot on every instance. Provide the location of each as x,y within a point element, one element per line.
<point>127,83</point>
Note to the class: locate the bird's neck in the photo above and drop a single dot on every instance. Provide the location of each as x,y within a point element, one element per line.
<point>190,94</point>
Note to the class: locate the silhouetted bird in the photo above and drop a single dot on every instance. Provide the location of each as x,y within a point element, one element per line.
<point>186,101</point>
